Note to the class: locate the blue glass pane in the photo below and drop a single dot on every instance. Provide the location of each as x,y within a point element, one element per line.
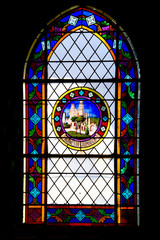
<point>124,47</point>
<point>86,13</point>
<point>77,13</point>
<point>132,72</point>
<point>65,19</point>
<point>30,125</point>
<point>30,198</point>
<point>98,18</point>
<point>39,47</point>
<point>39,198</point>
<point>39,161</point>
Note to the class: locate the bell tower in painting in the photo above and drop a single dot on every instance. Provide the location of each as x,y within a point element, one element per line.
<point>81,108</point>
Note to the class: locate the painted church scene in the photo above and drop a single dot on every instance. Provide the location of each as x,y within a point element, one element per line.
<point>80,118</point>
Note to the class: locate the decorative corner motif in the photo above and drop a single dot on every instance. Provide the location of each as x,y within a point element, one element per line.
<point>72,20</point>
<point>90,20</point>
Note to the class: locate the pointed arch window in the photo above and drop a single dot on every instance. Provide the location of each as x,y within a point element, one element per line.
<point>81,123</point>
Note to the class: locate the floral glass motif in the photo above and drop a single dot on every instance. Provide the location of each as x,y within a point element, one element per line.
<point>81,123</point>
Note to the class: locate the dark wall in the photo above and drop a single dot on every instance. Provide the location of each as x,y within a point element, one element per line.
<point>22,24</point>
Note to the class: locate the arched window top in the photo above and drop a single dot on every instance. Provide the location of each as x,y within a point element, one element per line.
<point>81,123</point>
<point>79,30</point>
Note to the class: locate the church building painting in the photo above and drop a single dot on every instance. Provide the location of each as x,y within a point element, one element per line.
<point>88,116</point>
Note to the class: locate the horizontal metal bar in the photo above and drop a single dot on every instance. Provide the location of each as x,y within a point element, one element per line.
<point>47,81</point>
<point>72,173</point>
<point>56,100</point>
<point>86,32</point>
<point>29,155</point>
<point>77,61</point>
<point>81,205</point>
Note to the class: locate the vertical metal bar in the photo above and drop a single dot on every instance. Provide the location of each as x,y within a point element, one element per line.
<point>116,124</point>
<point>136,135</point>
<point>139,153</point>
<point>46,145</point>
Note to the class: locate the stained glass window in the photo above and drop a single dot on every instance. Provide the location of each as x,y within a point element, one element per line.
<point>81,99</point>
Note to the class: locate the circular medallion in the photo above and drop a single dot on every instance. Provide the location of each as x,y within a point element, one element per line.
<point>81,118</point>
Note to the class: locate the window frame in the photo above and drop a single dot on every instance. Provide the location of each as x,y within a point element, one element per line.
<point>117,83</point>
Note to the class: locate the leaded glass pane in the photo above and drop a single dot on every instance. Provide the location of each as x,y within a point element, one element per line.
<point>79,56</point>
<point>81,120</point>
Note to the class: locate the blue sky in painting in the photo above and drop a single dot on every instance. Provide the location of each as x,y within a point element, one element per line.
<point>89,107</point>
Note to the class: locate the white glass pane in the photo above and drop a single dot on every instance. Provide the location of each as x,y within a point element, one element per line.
<point>81,46</point>
<point>80,188</point>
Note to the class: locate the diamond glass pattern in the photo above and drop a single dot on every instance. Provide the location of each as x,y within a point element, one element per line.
<point>73,20</point>
<point>34,214</point>
<point>80,215</point>
<point>35,118</point>
<point>90,20</point>
<point>78,181</point>
<point>127,193</point>
<point>34,158</point>
<point>35,192</point>
<point>83,53</point>
<point>127,118</point>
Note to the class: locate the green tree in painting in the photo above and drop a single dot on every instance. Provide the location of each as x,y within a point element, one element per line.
<point>74,119</point>
<point>80,120</point>
<point>87,130</point>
